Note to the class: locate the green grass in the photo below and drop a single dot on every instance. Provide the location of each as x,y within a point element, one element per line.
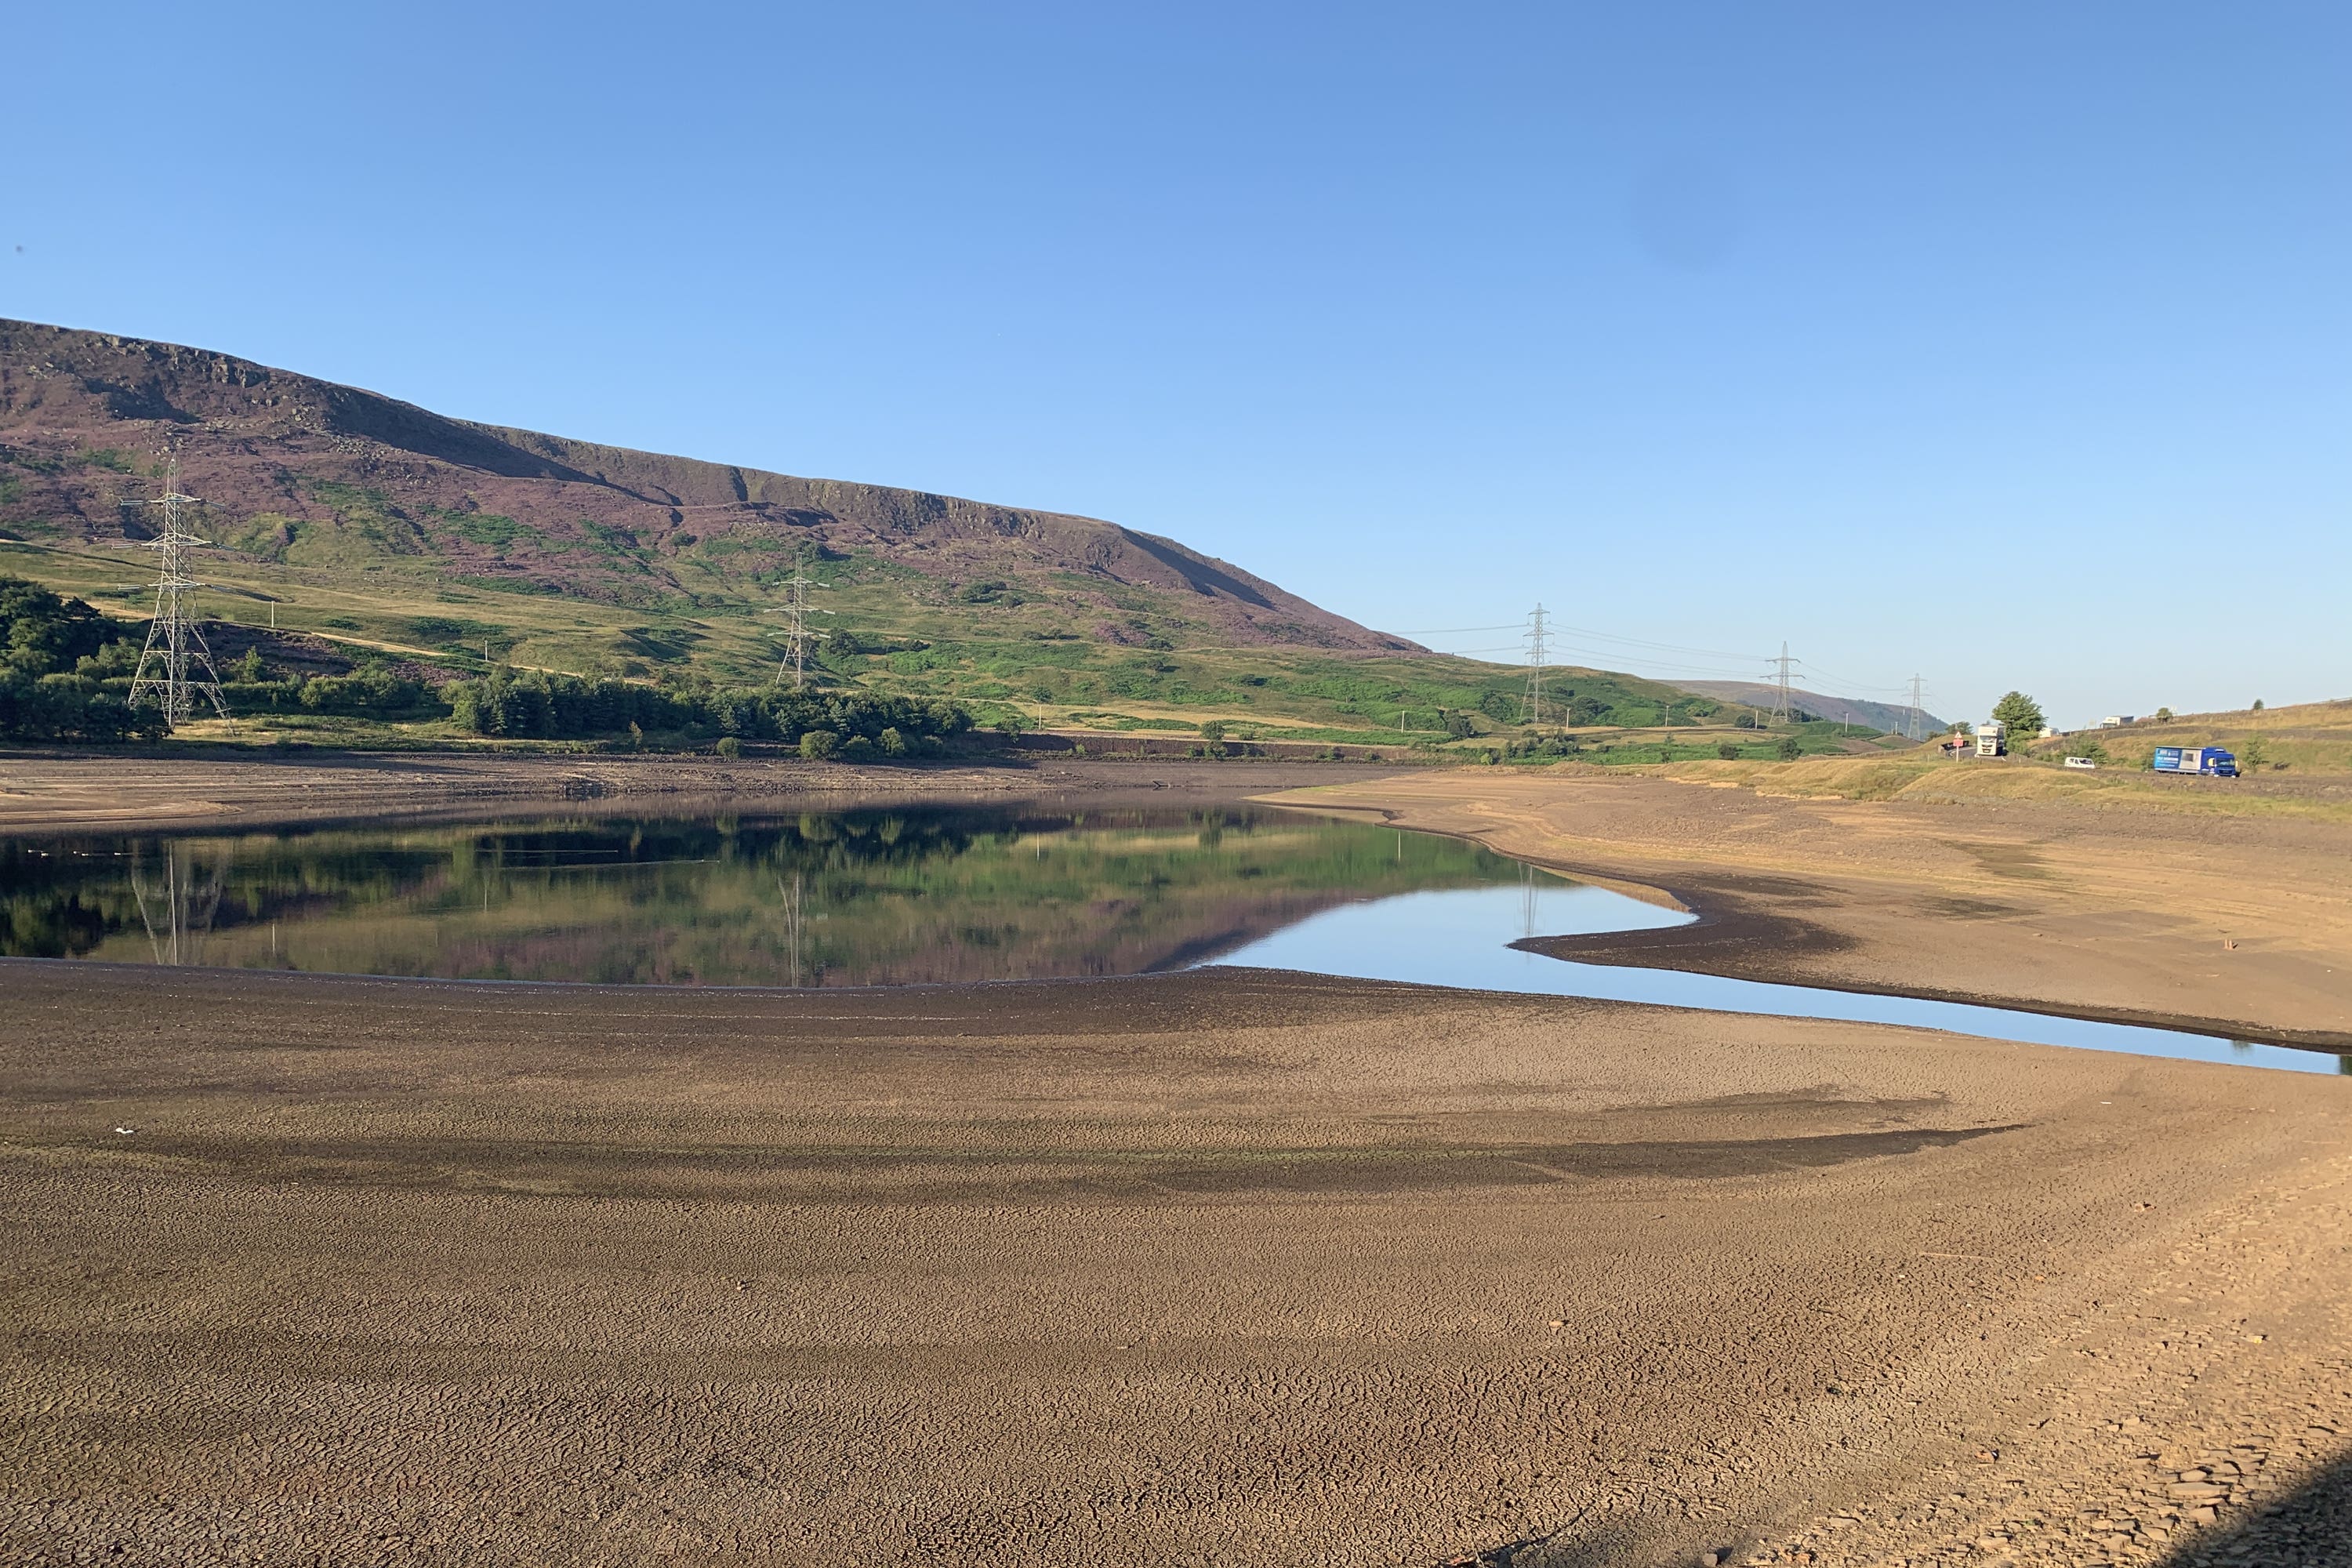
<point>1030,648</point>
<point>1926,776</point>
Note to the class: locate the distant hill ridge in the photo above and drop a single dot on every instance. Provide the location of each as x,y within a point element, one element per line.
<point>313,473</point>
<point>1894,718</point>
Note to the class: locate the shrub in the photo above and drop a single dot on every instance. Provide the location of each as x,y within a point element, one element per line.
<point>818,745</point>
<point>53,653</point>
<point>729,746</point>
<point>1787,749</point>
<point>1727,751</point>
<point>2021,714</point>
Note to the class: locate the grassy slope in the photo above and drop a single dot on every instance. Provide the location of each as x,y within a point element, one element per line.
<point>2308,740</point>
<point>905,633</point>
<point>338,513</point>
<point>2315,740</point>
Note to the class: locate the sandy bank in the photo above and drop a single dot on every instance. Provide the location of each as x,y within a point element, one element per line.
<point>2115,912</point>
<point>42,791</point>
<point>1222,1266</point>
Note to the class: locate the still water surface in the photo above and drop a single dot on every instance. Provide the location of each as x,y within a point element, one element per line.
<point>895,897</point>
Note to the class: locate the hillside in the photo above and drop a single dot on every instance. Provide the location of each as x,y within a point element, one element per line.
<point>342,519</point>
<point>305,473</point>
<point>2308,740</point>
<point>1891,716</point>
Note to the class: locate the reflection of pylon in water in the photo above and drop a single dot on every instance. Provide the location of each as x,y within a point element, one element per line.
<point>1527,901</point>
<point>793,895</point>
<point>179,914</point>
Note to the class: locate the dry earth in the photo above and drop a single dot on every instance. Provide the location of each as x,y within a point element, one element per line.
<point>61,791</point>
<point>2163,916</point>
<point>1223,1267</point>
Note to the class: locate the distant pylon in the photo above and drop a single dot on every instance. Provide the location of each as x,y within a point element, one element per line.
<point>1781,714</point>
<point>1536,652</point>
<point>797,610</point>
<point>165,677</point>
<point>1918,714</point>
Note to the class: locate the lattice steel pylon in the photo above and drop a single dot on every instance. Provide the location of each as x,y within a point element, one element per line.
<point>1537,654</point>
<point>176,666</point>
<point>797,632</point>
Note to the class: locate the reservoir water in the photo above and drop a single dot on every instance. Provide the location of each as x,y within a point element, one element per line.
<point>900,896</point>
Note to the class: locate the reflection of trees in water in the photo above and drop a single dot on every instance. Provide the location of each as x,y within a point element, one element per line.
<point>882,895</point>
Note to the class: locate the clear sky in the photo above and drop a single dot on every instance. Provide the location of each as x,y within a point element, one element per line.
<point>2007,344</point>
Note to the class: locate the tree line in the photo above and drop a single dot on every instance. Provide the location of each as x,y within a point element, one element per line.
<point>57,656</point>
<point>64,672</point>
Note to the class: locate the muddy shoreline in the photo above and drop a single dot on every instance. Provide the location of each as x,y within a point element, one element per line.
<point>1226,1265</point>
<point>58,791</point>
<point>1748,926</point>
<point>2240,927</point>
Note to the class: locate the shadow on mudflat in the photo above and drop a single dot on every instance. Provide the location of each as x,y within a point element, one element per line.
<point>956,1173</point>
<point>2311,1525</point>
<point>1623,1545</point>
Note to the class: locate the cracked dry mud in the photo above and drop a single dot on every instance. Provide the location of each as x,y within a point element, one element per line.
<point>1224,1267</point>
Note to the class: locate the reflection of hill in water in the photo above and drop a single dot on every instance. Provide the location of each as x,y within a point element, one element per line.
<point>874,896</point>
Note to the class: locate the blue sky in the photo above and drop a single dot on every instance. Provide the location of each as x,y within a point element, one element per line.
<point>2006,344</point>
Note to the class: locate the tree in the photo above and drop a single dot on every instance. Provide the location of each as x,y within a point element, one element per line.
<point>1727,751</point>
<point>1213,729</point>
<point>819,744</point>
<point>2258,704</point>
<point>1789,749</point>
<point>2164,715</point>
<point>2253,753</point>
<point>2021,714</point>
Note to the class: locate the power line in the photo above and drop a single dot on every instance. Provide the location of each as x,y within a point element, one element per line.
<point>1664,647</point>
<point>1781,713</point>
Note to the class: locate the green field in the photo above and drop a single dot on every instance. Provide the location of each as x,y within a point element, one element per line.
<point>889,632</point>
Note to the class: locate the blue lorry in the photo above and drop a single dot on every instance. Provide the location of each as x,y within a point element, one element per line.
<point>2212,760</point>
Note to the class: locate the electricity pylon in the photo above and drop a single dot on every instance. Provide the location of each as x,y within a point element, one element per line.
<point>175,652</point>
<point>1785,709</point>
<point>796,611</point>
<point>1535,666</point>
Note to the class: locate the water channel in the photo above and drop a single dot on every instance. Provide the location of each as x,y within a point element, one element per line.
<point>902,896</point>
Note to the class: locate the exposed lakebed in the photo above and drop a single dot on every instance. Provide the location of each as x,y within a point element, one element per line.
<point>900,896</point>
